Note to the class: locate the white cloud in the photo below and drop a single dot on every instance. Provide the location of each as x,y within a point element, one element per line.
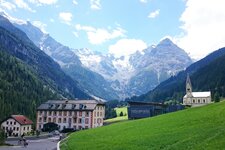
<point>75,2</point>
<point>40,25</point>
<point>65,17</point>
<point>7,5</point>
<point>154,14</point>
<point>143,1</point>
<point>95,4</point>
<point>203,25</point>
<point>45,2</point>
<point>23,5</point>
<point>125,47</point>
<point>100,35</point>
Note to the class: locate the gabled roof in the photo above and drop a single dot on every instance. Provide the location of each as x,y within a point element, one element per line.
<point>21,119</point>
<point>200,94</point>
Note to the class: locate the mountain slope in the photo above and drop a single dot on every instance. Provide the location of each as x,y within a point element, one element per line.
<point>115,78</point>
<point>16,43</point>
<point>206,74</point>
<point>194,128</point>
<point>92,82</point>
<point>140,72</point>
<point>20,87</point>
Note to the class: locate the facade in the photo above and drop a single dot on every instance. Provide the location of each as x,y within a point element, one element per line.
<point>137,110</point>
<point>195,98</point>
<point>16,125</point>
<point>76,114</point>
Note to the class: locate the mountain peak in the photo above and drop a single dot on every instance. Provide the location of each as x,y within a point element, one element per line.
<point>166,41</point>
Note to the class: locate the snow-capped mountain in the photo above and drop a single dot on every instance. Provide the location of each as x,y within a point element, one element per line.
<point>106,76</point>
<point>140,72</point>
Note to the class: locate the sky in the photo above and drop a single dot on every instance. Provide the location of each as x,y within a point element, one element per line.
<point>121,27</point>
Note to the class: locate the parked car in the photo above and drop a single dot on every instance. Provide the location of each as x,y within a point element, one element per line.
<point>66,130</point>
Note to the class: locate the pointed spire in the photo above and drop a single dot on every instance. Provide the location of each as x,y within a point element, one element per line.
<point>188,81</point>
<point>188,86</point>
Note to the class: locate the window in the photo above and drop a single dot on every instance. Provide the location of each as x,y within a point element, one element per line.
<point>10,122</point>
<point>49,119</point>
<point>70,113</point>
<point>203,100</point>
<point>100,114</point>
<point>80,113</point>
<point>97,114</point>
<point>60,113</point>
<point>75,114</point>
<point>198,100</point>
<point>6,128</point>
<point>54,120</point>
<point>7,122</point>
<point>40,119</point>
<point>86,127</point>
<point>80,120</point>
<point>65,113</point>
<point>86,120</point>
<point>40,112</point>
<point>45,118</point>
<point>27,128</point>
<point>193,101</point>
<point>14,122</point>
<point>55,113</point>
<point>17,128</point>
<point>14,128</point>
<point>95,121</point>
<point>64,120</point>
<point>50,113</point>
<point>3,128</point>
<point>70,120</point>
<point>74,120</point>
<point>87,114</point>
<point>24,128</point>
<point>59,120</point>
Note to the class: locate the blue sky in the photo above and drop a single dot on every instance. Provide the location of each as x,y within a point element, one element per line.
<point>123,26</point>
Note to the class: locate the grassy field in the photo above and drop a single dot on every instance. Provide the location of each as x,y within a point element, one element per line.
<point>121,109</point>
<point>118,118</point>
<point>194,128</point>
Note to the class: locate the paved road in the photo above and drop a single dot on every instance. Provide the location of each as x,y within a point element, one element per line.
<point>38,144</point>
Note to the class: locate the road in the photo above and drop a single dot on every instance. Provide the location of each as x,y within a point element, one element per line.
<point>34,144</point>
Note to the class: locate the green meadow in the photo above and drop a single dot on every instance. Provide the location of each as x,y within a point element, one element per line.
<point>193,128</point>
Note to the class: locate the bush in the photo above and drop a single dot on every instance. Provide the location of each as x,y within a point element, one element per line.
<point>121,113</point>
<point>2,137</point>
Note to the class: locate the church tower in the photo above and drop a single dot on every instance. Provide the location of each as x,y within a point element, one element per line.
<point>188,87</point>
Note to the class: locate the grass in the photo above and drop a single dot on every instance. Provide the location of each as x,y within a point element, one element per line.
<point>118,118</point>
<point>195,128</point>
<point>121,109</point>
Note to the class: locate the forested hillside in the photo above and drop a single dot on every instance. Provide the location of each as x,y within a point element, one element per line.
<point>20,89</point>
<point>16,43</point>
<point>206,74</point>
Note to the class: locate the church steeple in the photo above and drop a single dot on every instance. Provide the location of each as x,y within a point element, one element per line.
<point>188,86</point>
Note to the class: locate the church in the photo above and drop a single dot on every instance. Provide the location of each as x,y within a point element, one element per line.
<point>195,98</point>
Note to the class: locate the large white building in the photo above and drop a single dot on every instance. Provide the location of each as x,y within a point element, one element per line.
<point>16,125</point>
<point>195,98</point>
<point>76,114</point>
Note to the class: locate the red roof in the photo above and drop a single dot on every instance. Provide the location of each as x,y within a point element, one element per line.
<point>21,119</point>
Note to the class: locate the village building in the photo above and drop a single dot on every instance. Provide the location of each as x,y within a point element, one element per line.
<point>16,125</point>
<point>76,114</point>
<point>195,98</point>
<point>137,110</point>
